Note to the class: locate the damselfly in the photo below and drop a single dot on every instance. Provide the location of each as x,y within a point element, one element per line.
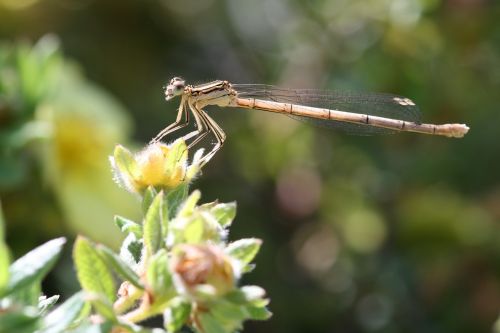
<point>358,113</point>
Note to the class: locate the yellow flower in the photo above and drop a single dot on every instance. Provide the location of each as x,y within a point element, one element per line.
<point>158,165</point>
<point>83,124</point>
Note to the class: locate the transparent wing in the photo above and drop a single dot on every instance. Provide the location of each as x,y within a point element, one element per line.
<point>375,104</point>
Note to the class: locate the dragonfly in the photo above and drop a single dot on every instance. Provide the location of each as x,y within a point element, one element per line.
<point>354,113</point>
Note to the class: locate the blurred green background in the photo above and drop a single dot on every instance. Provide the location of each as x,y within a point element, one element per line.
<point>395,233</point>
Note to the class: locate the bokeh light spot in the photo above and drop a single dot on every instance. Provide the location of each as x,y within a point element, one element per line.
<point>364,231</point>
<point>17,4</point>
<point>316,249</point>
<point>374,311</point>
<point>299,191</point>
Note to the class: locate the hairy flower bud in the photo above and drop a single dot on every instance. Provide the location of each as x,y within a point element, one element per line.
<point>202,265</point>
<point>157,165</point>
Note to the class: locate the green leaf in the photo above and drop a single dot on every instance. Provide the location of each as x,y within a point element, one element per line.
<point>92,271</point>
<point>106,327</point>
<point>149,194</point>
<point>153,225</point>
<point>101,306</point>
<point>248,294</point>
<point>224,213</point>
<point>209,324</point>
<point>194,231</point>
<point>28,295</point>
<point>208,205</point>
<point>253,293</point>
<point>125,165</point>
<point>65,315</point>
<point>131,250</point>
<point>260,303</point>
<point>45,304</point>
<point>24,321</point>
<point>176,315</point>
<point>228,314</point>
<point>119,266</point>
<point>165,218</point>
<point>258,312</point>
<point>175,198</point>
<point>128,226</point>
<point>13,172</point>
<point>159,278</point>
<point>244,250</point>
<point>189,204</point>
<point>2,226</point>
<point>236,296</point>
<point>4,266</point>
<point>34,265</point>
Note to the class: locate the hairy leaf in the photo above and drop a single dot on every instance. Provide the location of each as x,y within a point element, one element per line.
<point>244,250</point>
<point>25,320</point>
<point>176,315</point>
<point>153,225</point>
<point>119,266</point>
<point>91,269</point>
<point>175,198</point>
<point>59,319</point>
<point>224,213</point>
<point>128,226</point>
<point>34,265</point>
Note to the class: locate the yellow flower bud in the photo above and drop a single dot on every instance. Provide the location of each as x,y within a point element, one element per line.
<point>158,165</point>
<point>153,167</point>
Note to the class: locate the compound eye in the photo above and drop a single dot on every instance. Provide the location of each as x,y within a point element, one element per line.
<point>177,80</point>
<point>175,88</point>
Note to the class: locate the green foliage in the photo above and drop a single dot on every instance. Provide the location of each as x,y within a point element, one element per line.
<point>33,266</point>
<point>25,320</point>
<point>56,128</point>
<point>29,77</point>
<point>45,304</point>
<point>159,279</point>
<point>65,315</point>
<point>175,198</point>
<point>177,263</point>
<point>244,250</point>
<point>92,271</point>
<point>198,224</point>
<point>4,256</point>
<point>102,306</point>
<point>128,226</point>
<point>120,267</point>
<point>176,314</point>
<point>189,205</point>
<point>147,198</point>
<point>154,221</point>
<point>125,162</point>
<point>131,249</point>
<point>28,295</point>
<point>22,305</point>
<point>224,213</point>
